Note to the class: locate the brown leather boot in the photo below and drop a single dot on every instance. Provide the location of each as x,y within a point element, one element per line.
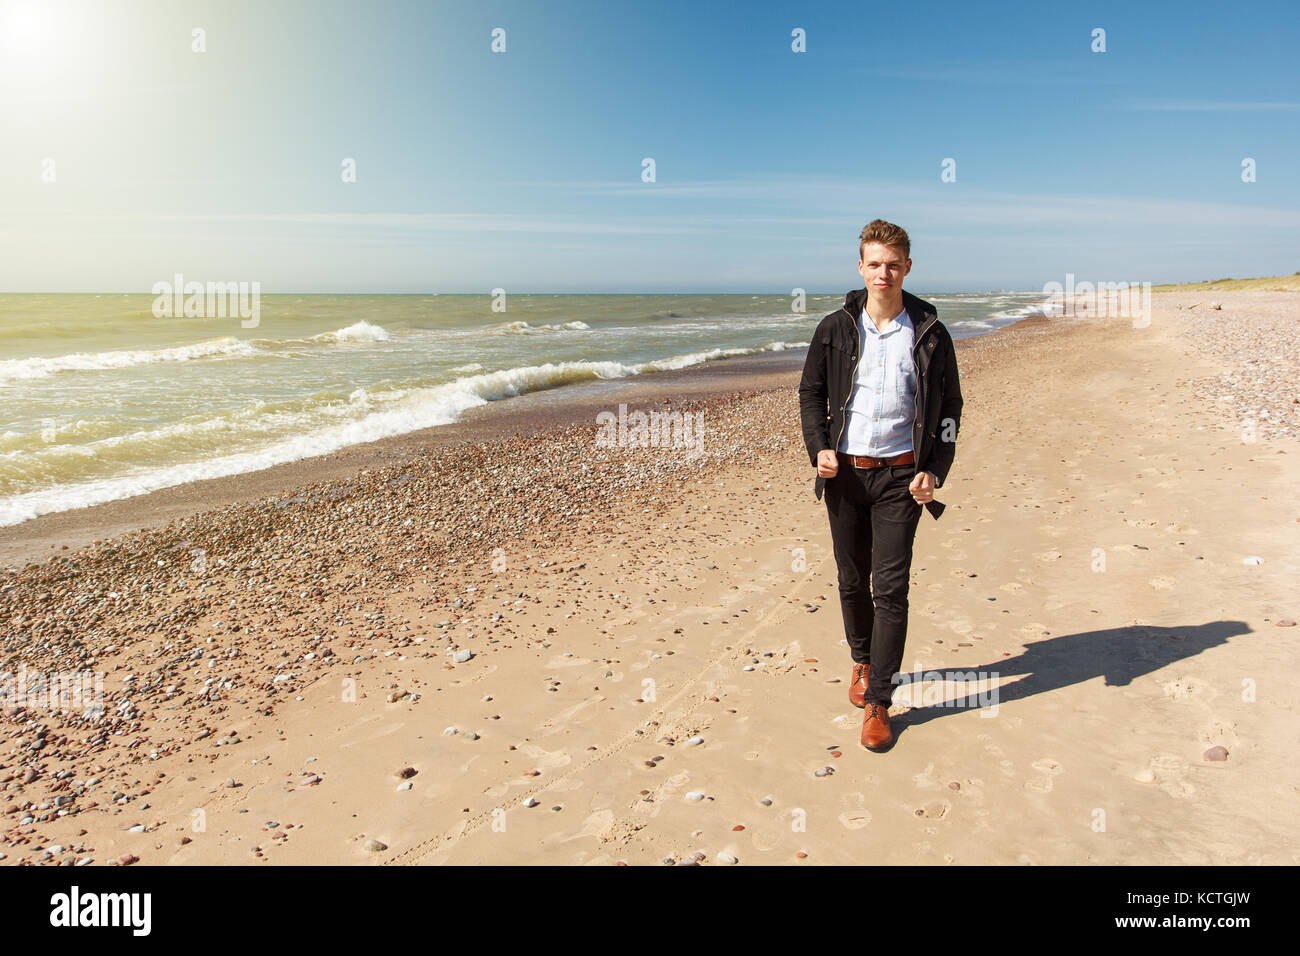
<point>858,685</point>
<point>876,735</point>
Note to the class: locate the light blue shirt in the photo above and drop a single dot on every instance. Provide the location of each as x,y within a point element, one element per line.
<point>882,406</point>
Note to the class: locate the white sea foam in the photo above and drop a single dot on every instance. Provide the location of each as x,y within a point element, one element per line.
<point>361,331</point>
<point>520,327</point>
<point>31,368</point>
<point>13,370</point>
<point>365,416</point>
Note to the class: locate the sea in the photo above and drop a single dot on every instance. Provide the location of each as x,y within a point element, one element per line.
<point>103,400</point>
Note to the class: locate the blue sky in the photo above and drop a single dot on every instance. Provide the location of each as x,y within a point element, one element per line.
<point>522,169</point>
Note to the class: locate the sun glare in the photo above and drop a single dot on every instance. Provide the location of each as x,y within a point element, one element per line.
<point>26,29</point>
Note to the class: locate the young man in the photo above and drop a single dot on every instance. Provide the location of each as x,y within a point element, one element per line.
<point>880,404</point>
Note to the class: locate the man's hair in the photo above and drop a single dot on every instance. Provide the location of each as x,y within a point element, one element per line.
<point>887,234</point>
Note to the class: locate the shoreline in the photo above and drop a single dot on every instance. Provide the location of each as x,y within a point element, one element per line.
<point>45,536</point>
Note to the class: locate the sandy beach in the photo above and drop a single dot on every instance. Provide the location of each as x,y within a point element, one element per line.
<point>502,643</point>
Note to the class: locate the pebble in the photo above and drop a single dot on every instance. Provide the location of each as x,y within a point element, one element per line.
<point>1286,622</point>
<point>1258,384</point>
<point>462,655</point>
<point>766,801</point>
<point>1216,753</point>
<point>695,741</point>
<point>375,846</point>
<point>404,785</point>
<point>531,802</point>
<point>727,858</point>
<point>694,795</point>
<point>1145,776</point>
<point>230,783</point>
<point>824,772</point>
<point>406,773</point>
<point>1253,559</point>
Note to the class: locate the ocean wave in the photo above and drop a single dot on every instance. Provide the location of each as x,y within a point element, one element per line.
<point>13,370</point>
<point>374,415</point>
<point>31,368</point>
<point>361,331</point>
<point>520,327</point>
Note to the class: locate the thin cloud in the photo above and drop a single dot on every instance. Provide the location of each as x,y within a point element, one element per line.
<point>1205,106</point>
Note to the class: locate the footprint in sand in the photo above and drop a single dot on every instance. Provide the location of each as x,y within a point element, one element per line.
<point>855,815</point>
<point>1221,731</point>
<point>925,779</point>
<point>1183,687</point>
<point>1168,771</point>
<point>1047,769</point>
<point>934,810</point>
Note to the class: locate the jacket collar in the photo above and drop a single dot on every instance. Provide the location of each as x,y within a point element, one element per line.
<point>922,313</point>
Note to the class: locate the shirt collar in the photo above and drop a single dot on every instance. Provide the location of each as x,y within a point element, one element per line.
<point>900,321</point>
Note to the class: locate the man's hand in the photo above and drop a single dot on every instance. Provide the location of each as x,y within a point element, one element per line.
<point>922,487</point>
<point>828,465</point>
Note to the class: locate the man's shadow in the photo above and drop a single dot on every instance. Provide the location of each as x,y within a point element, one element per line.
<point>1118,654</point>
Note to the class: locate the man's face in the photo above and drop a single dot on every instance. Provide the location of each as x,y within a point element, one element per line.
<point>883,268</point>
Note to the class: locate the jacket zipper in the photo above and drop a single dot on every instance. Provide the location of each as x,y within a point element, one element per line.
<point>852,377</point>
<point>920,391</point>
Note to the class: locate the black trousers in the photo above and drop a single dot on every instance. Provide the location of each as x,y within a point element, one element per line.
<point>873,524</point>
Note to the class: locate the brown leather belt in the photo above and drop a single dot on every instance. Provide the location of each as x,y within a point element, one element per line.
<point>866,461</point>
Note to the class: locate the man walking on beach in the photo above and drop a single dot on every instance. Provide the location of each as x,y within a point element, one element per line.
<point>880,405</point>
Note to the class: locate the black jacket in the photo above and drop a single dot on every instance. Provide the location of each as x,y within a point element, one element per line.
<point>832,363</point>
